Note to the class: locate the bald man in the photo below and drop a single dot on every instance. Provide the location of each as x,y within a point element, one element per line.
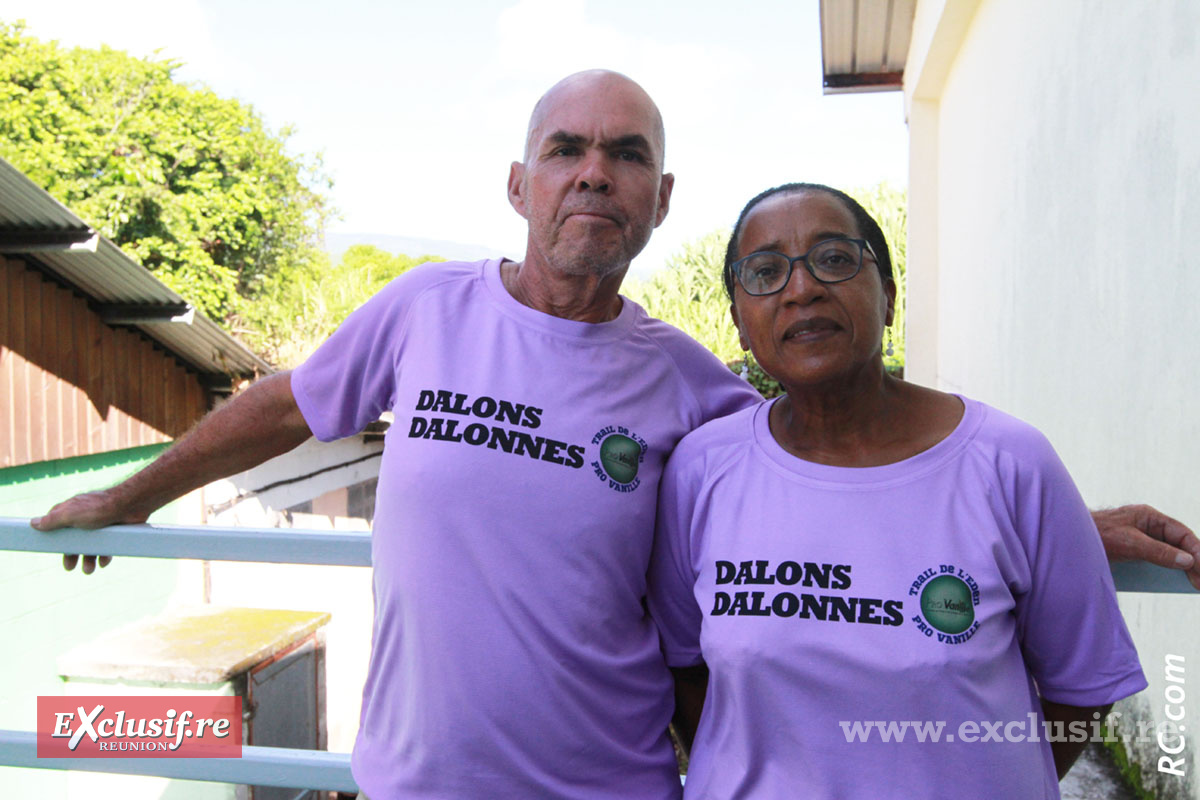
<point>512,656</point>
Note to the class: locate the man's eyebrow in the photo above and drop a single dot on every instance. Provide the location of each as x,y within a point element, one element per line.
<point>631,140</point>
<point>563,137</point>
<point>635,140</point>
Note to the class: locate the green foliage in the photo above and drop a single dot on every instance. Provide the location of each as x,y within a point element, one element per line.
<point>1130,770</point>
<point>889,206</point>
<point>767,386</point>
<point>689,294</point>
<point>193,186</point>
<point>299,309</point>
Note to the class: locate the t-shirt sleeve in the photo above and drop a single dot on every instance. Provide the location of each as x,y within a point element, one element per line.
<point>351,379</point>
<point>724,393</point>
<point>671,578</point>
<point>1073,637</point>
<point>715,391</point>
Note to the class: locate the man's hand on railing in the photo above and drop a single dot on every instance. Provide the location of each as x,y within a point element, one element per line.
<point>1143,533</point>
<point>261,422</point>
<point>89,511</point>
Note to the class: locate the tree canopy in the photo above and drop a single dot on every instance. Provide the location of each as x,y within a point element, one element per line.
<point>192,185</point>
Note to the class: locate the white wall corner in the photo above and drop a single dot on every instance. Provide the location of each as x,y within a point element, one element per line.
<point>938,30</point>
<point>922,313</point>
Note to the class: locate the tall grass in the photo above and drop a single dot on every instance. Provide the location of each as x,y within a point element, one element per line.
<point>688,294</point>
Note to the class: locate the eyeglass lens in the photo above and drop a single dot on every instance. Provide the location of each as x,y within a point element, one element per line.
<point>830,262</point>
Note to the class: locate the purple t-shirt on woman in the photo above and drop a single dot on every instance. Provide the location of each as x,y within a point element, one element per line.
<point>837,606</point>
<point>512,655</point>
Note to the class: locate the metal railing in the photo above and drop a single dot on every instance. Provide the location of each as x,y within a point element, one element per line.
<point>276,766</point>
<point>208,542</point>
<point>1142,577</point>
<point>258,766</point>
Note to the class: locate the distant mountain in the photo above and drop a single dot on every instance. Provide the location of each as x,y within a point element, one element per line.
<point>338,243</point>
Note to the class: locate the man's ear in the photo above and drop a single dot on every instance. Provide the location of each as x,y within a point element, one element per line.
<point>664,197</point>
<point>516,187</point>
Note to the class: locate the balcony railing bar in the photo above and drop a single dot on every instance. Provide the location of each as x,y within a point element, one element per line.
<point>270,545</point>
<point>272,766</point>
<point>258,766</point>
<point>337,548</point>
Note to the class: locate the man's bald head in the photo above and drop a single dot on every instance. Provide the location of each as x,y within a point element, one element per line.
<point>592,185</point>
<point>581,86</point>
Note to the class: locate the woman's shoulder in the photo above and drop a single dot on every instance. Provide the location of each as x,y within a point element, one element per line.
<point>942,415</point>
<point>717,437</point>
<point>1009,440</point>
<point>713,448</point>
<point>735,428</point>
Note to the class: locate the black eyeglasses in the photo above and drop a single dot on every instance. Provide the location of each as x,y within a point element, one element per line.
<point>830,261</point>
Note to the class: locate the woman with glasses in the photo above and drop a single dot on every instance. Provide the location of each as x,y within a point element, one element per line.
<point>892,587</point>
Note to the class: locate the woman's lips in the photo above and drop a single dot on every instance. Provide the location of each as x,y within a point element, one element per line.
<point>811,330</point>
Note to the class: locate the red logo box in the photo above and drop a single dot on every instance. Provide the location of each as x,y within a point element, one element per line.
<point>139,727</point>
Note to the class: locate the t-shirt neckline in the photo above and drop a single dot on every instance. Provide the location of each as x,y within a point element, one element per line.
<point>557,326</point>
<point>860,477</point>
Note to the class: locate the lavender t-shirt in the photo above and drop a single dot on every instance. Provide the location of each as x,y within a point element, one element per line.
<point>937,590</point>
<point>512,654</point>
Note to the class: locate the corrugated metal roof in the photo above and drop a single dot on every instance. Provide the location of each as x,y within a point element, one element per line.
<point>107,275</point>
<point>24,204</point>
<point>864,44</point>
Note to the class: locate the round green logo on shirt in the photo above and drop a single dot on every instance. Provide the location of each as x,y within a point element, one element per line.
<point>947,605</point>
<point>620,456</point>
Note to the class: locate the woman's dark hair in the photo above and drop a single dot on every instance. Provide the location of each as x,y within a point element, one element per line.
<point>865,222</point>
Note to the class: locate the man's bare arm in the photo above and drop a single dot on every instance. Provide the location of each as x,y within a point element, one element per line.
<point>260,423</point>
<point>1143,533</point>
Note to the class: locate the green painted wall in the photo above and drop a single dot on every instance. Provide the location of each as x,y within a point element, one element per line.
<point>45,611</point>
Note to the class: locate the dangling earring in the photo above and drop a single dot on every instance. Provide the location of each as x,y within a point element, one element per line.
<point>889,351</point>
<point>745,373</point>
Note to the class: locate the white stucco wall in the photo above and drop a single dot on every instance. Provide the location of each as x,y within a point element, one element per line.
<point>1056,226</point>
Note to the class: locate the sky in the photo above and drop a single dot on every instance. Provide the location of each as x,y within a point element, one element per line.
<point>419,108</point>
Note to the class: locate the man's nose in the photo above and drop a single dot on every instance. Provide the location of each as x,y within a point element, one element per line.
<point>593,173</point>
